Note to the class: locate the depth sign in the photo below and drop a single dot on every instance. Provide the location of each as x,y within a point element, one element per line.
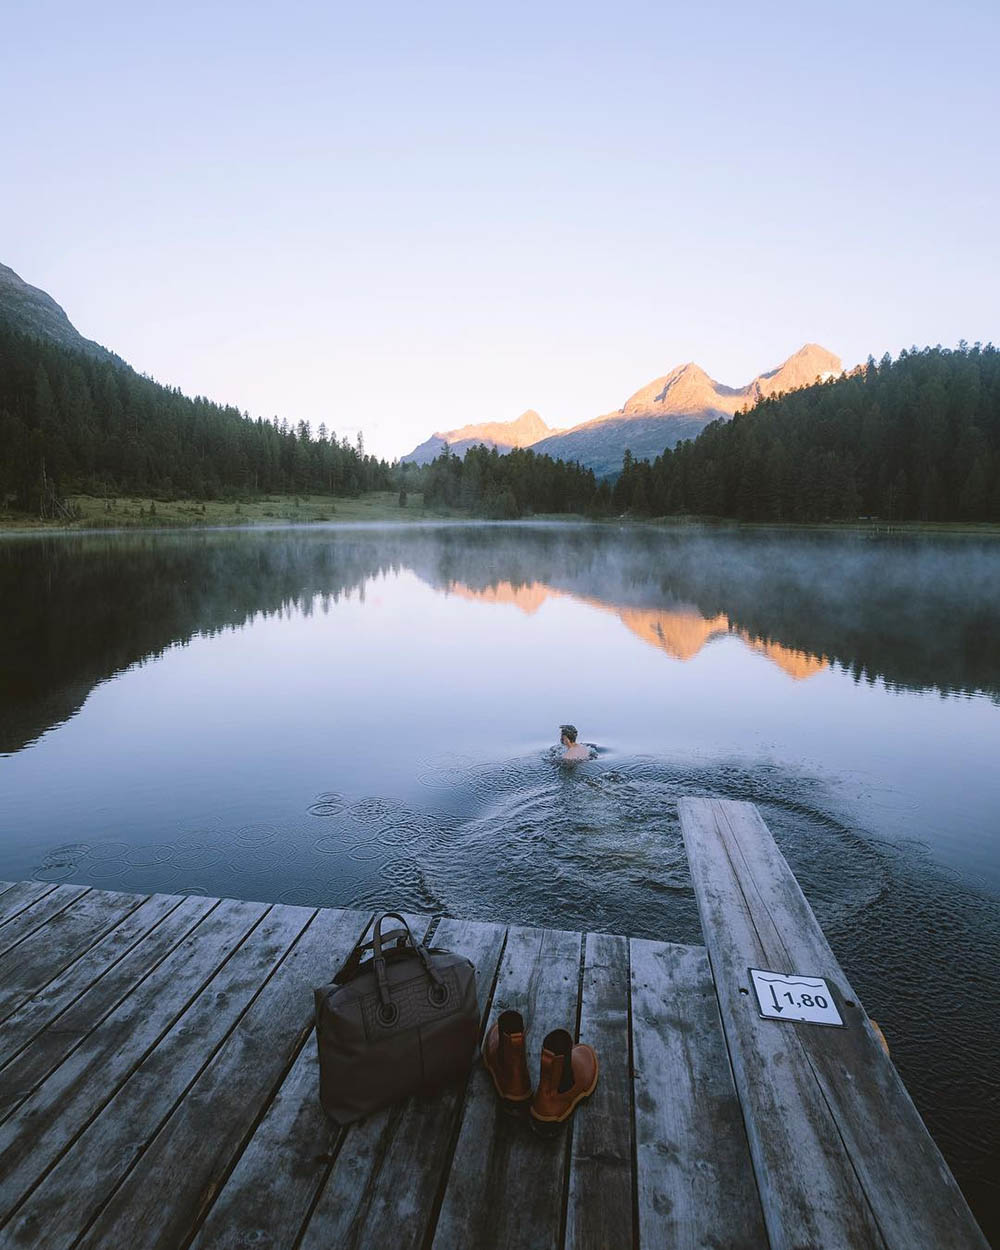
<point>794,996</point>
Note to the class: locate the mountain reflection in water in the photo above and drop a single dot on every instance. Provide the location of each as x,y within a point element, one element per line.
<point>681,632</point>
<point>360,716</point>
<point>917,613</point>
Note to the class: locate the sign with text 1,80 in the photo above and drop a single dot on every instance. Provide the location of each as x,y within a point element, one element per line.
<point>792,996</point>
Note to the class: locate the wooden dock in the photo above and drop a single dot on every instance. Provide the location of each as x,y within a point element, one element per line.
<point>158,1085</point>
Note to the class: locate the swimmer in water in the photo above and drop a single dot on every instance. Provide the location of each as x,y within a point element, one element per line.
<point>574,750</point>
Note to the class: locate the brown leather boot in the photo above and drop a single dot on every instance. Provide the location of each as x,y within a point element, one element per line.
<point>568,1075</point>
<point>505,1060</point>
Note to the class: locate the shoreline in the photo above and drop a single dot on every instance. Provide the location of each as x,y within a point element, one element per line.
<point>146,513</point>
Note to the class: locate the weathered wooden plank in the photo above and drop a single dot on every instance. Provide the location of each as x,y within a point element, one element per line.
<point>391,1165</point>
<point>599,1207</point>
<point>696,1183</point>
<point>43,955</point>
<point>810,1193</point>
<point>4,887</point>
<point>105,960</point>
<point>840,1153</point>
<point>55,1112</point>
<point>38,914</point>
<point>74,1191</point>
<point>264,1203</point>
<point>20,896</point>
<point>166,1195</point>
<point>506,1185</point>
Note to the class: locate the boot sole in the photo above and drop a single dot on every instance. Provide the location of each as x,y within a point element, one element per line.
<point>549,1125</point>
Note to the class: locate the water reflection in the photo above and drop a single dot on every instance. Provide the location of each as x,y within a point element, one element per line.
<point>354,717</point>
<point>917,613</point>
<point>681,632</point>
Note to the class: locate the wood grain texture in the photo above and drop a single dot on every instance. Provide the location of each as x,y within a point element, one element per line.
<point>696,1185</point>
<point>382,1187</point>
<point>265,1201</point>
<point>34,916</point>
<point>506,1186</point>
<point>167,1194</point>
<point>599,1206</point>
<point>840,1153</point>
<point>53,1114</point>
<point>73,1192</point>
<point>18,896</point>
<point>43,955</point>
<point>104,1000</point>
<point>102,960</point>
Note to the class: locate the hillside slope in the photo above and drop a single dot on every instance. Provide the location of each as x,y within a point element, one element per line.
<point>913,439</point>
<point>76,418</point>
<point>33,311</point>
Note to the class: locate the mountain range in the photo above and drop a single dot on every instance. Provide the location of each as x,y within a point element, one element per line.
<point>527,429</point>
<point>661,414</point>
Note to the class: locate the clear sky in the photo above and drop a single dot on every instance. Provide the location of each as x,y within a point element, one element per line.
<point>403,217</point>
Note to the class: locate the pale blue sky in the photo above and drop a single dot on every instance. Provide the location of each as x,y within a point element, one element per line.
<point>404,217</point>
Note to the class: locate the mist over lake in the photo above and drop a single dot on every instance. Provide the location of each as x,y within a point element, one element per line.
<point>368,716</point>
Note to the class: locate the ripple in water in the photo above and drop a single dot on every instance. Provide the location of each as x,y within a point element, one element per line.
<point>364,851</point>
<point>328,804</point>
<point>149,855</point>
<point>376,812</point>
<point>256,836</point>
<point>62,862</point>
<point>193,854</point>
<point>330,844</point>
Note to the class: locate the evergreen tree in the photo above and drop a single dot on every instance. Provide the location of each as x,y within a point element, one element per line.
<point>71,423</point>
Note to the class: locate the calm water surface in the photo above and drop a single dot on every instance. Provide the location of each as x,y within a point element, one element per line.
<point>366,716</point>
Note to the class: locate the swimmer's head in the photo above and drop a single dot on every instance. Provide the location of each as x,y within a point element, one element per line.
<point>568,732</point>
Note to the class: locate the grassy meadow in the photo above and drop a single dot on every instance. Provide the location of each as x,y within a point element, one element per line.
<point>144,512</point>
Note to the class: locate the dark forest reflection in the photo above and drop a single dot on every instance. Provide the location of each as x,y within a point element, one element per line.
<point>360,716</point>
<point>919,613</point>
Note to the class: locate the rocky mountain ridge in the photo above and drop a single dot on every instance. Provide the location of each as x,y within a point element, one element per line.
<point>660,414</point>
<point>527,429</point>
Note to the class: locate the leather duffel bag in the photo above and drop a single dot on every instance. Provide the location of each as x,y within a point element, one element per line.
<point>403,1022</point>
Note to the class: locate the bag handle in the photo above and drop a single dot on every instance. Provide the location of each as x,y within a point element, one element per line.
<point>349,969</point>
<point>376,945</point>
<point>379,959</point>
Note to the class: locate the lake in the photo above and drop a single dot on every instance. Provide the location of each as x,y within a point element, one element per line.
<point>368,716</point>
